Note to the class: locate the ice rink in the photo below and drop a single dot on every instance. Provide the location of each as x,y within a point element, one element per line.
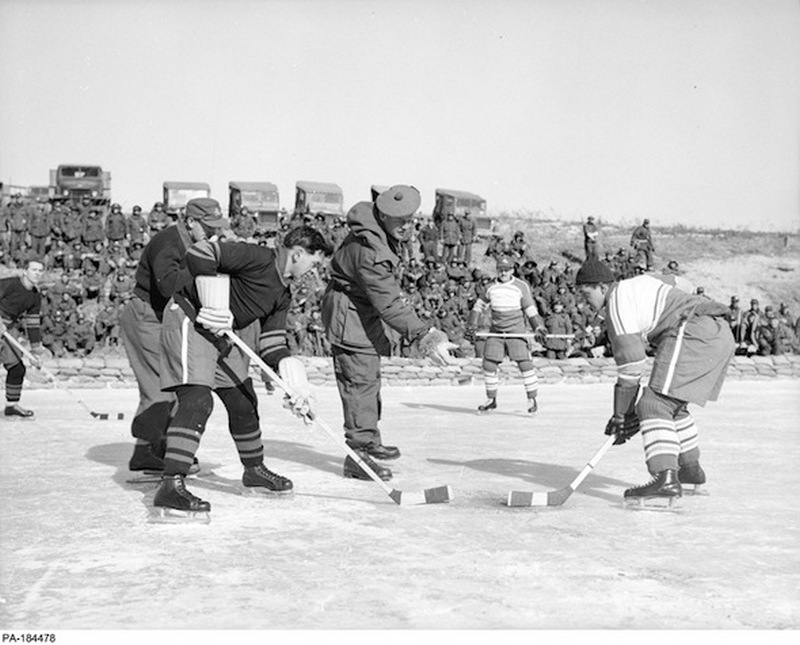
<point>77,550</point>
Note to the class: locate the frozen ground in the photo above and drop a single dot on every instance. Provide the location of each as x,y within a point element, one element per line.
<point>77,551</point>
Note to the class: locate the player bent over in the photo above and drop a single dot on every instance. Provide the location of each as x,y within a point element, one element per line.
<point>242,287</point>
<point>510,302</point>
<point>693,345</point>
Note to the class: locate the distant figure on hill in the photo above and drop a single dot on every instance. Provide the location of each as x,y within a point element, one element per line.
<point>590,234</point>
<point>642,243</point>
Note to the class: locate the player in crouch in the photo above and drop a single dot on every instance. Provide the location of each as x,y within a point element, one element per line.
<point>693,345</point>
<point>242,287</point>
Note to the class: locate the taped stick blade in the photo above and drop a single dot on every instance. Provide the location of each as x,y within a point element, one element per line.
<point>438,495</point>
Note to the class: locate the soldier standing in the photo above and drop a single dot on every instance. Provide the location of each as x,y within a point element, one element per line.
<point>362,296</point>
<point>468,230</point>
<point>116,225</point>
<point>642,243</point>
<point>137,228</point>
<point>590,234</point>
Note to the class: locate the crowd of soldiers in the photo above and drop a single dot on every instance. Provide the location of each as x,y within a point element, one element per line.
<point>91,253</point>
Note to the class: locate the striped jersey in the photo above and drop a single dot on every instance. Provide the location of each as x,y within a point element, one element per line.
<point>639,311</point>
<point>258,291</point>
<point>509,304</point>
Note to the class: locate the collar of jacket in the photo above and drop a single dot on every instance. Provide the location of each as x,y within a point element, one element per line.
<point>364,224</point>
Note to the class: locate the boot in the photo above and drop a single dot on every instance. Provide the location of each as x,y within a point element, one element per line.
<point>16,410</point>
<point>353,471</point>
<point>261,479</point>
<point>173,495</point>
<point>382,452</point>
<point>491,404</point>
<point>532,405</point>
<point>664,487</point>
<point>145,458</point>
<point>693,478</point>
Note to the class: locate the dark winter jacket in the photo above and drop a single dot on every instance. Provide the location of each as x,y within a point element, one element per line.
<point>364,293</point>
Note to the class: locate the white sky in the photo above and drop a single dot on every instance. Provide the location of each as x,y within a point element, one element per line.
<point>683,111</point>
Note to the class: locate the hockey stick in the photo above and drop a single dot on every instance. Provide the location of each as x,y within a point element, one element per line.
<point>35,361</point>
<point>558,497</point>
<point>401,498</point>
<point>486,334</point>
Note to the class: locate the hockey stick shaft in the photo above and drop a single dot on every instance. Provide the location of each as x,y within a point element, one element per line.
<point>593,462</point>
<point>45,371</point>
<point>487,334</point>
<point>277,380</point>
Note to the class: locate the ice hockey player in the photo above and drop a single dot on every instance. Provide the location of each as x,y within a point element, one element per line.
<point>510,303</point>
<point>245,288</point>
<point>158,274</point>
<point>693,344</point>
<point>20,302</point>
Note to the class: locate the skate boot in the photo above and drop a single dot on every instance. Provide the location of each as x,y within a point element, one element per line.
<point>491,404</point>
<point>16,410</point>
<point>660,493</point>
<point>260,479</point>
<point>173,503</point>
<point>532,405</point>
<point>353,471</point>
<point>144,458</point>
<point>692,479</point>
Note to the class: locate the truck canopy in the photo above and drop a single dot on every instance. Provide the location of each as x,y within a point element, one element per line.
<point>178,193</point>
<point>256,195</point>
<point>458,201</point>
<point>319,197</point>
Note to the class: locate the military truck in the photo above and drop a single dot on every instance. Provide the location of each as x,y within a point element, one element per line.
<point>262,200</point>
<point>315,198</point>
<point>178,193</point>
<point>73,183</point>
<point>459,201</point>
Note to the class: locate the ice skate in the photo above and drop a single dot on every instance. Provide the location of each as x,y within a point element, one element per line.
<point>144,458</point>
<point>661,493</point>
<point>260,479</point>
<point>692,479</point>
<point>491,404</point>
<point>16,410</point>
<point>353,471</point>
<point>532,405</point>
<point>173,503</point>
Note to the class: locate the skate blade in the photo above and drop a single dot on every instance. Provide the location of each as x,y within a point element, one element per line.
<point>656,504</point>
<point>162,515</point>
<point>695,490</point>
<point>261,491</point>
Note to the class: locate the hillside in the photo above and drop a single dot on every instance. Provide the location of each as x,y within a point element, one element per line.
<point>751,265</point>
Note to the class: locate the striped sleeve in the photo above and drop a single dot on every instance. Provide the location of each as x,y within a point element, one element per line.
<point>202,258</point>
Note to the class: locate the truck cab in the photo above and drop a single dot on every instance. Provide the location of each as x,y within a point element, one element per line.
<point>178,193</point>
<point>261,198</point>
<point>318,198</point>
<point>459,201</point>
<point>73,183</point>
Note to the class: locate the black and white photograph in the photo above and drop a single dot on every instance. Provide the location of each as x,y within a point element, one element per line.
<point>376,320</point>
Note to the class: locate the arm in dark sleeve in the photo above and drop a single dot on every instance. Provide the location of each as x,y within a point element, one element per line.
<point>381,288</point>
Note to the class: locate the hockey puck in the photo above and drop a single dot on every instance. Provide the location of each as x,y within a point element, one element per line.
<point>120,416</point>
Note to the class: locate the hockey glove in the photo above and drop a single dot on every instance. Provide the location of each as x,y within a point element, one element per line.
<point>436,346</point>
<point>37,355</point>
<point>299,399</point>
<point>217,321</point>
<point>623,427</point>
<point>470,333</point>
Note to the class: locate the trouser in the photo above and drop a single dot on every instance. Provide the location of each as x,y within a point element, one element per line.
<point>141,330</point>
<point>358,377</point>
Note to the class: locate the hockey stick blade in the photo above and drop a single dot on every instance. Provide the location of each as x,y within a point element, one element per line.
<point>558,497</point>
<point>436,495</point>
